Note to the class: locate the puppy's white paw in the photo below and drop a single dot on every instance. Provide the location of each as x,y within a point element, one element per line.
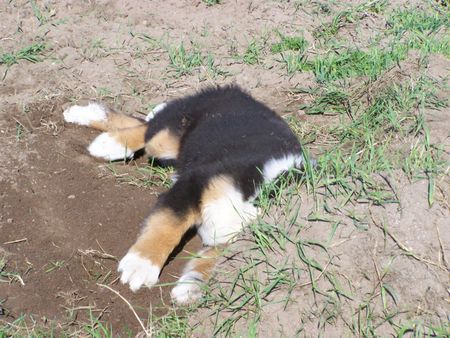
<point>84,115</point>
<point>188,288</point>
<point>107,147</point>
<point>138,271</point>
<point>155,111</point>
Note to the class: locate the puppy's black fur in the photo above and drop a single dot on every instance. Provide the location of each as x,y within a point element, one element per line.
<point>223,131</point>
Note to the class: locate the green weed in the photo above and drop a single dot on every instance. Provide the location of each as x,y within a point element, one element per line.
<point>420,30</point>
<point>328,30</point>
<point>211,2</point>
<point>6,275</point>
<point>213,70</point>
<point>426,161</point>
<point>365,140</point>
<point>54,266</point>
<point>31,53</point>
<point>352,63</point>
<point>347,62</point>
<point>330,100</point>
<point>253,53</point>
<point>41,16</point>
<point>294,62</point>
<point>295,43</point>
<point>27,326</point>
<point>97,329</point>
<point>172,324</point>
<point>417,21</point>
<point>184,61</point>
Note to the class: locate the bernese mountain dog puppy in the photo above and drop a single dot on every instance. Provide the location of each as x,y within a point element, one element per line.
<point>224,145</point>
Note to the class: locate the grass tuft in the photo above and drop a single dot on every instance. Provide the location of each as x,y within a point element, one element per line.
<point>294,43</point>
<point>211,2</point>
<point>184,61</point>
<point>31,53</point>
<point>253,53</point>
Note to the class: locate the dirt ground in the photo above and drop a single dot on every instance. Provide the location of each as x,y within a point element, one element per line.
<point>60,207</point>
<point>66,218</point>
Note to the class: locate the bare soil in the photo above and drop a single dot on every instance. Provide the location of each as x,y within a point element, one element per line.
<point>58,205</point>
<point>65,219</point>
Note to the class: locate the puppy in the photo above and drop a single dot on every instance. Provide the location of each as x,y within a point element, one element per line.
<point>224,145</point>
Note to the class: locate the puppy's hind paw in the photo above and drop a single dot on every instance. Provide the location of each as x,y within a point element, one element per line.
<point>107,147</point>
<point>138,271</point>
<point>85,115</point>
<point>188,288</point>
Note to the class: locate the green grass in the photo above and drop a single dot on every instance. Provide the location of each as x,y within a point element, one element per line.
<point>54,266</point>
<point>420,30</point>
<point>40,16</point>
<point>328,30</point>
<point>365,138</point>
<point>294,43</point>
<point>6,274</point>
<point>96,328</point>
<point>211,2</point>
<point>371,110</point>
<point>416,21</point>
<point>32,326</point>
<point>32,53</point>
<point>353,62</point>
<point>184,61</point>
<point>408,29</point>
<point>362,145</point>
<point>253,53</point>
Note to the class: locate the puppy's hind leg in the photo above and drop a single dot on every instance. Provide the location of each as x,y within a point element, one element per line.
<point>224,212</point>
<point>195,275</point>
<point>98,116</point>
<point>118,144</point>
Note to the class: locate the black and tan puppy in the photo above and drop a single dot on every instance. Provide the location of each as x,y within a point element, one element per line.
<point>224,145</point>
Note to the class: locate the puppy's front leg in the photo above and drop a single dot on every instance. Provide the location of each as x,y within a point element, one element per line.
<point>162,232</point>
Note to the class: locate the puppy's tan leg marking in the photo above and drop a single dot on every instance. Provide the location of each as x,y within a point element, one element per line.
<point>119,144</point>
<point>162,232</point>
<point>163,145</point>
<point>133,138</point>
<point>98,116</point>
<point>195,275</point>
<point>116,121</point>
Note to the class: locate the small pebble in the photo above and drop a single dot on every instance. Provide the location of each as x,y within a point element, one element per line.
<point>71,197</point>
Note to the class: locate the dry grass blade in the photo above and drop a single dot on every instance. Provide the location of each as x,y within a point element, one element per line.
<point>16,241</point>
<point>404,248</point>
<point>147,333</point>
<point>97,254</point>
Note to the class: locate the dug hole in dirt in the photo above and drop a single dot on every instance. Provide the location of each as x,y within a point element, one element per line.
<point>65,223</point>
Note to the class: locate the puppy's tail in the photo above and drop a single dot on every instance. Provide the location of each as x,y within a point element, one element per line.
<point>122,135</point>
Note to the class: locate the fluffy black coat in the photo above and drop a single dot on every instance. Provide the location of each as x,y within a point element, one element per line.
<point>223,131</point>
